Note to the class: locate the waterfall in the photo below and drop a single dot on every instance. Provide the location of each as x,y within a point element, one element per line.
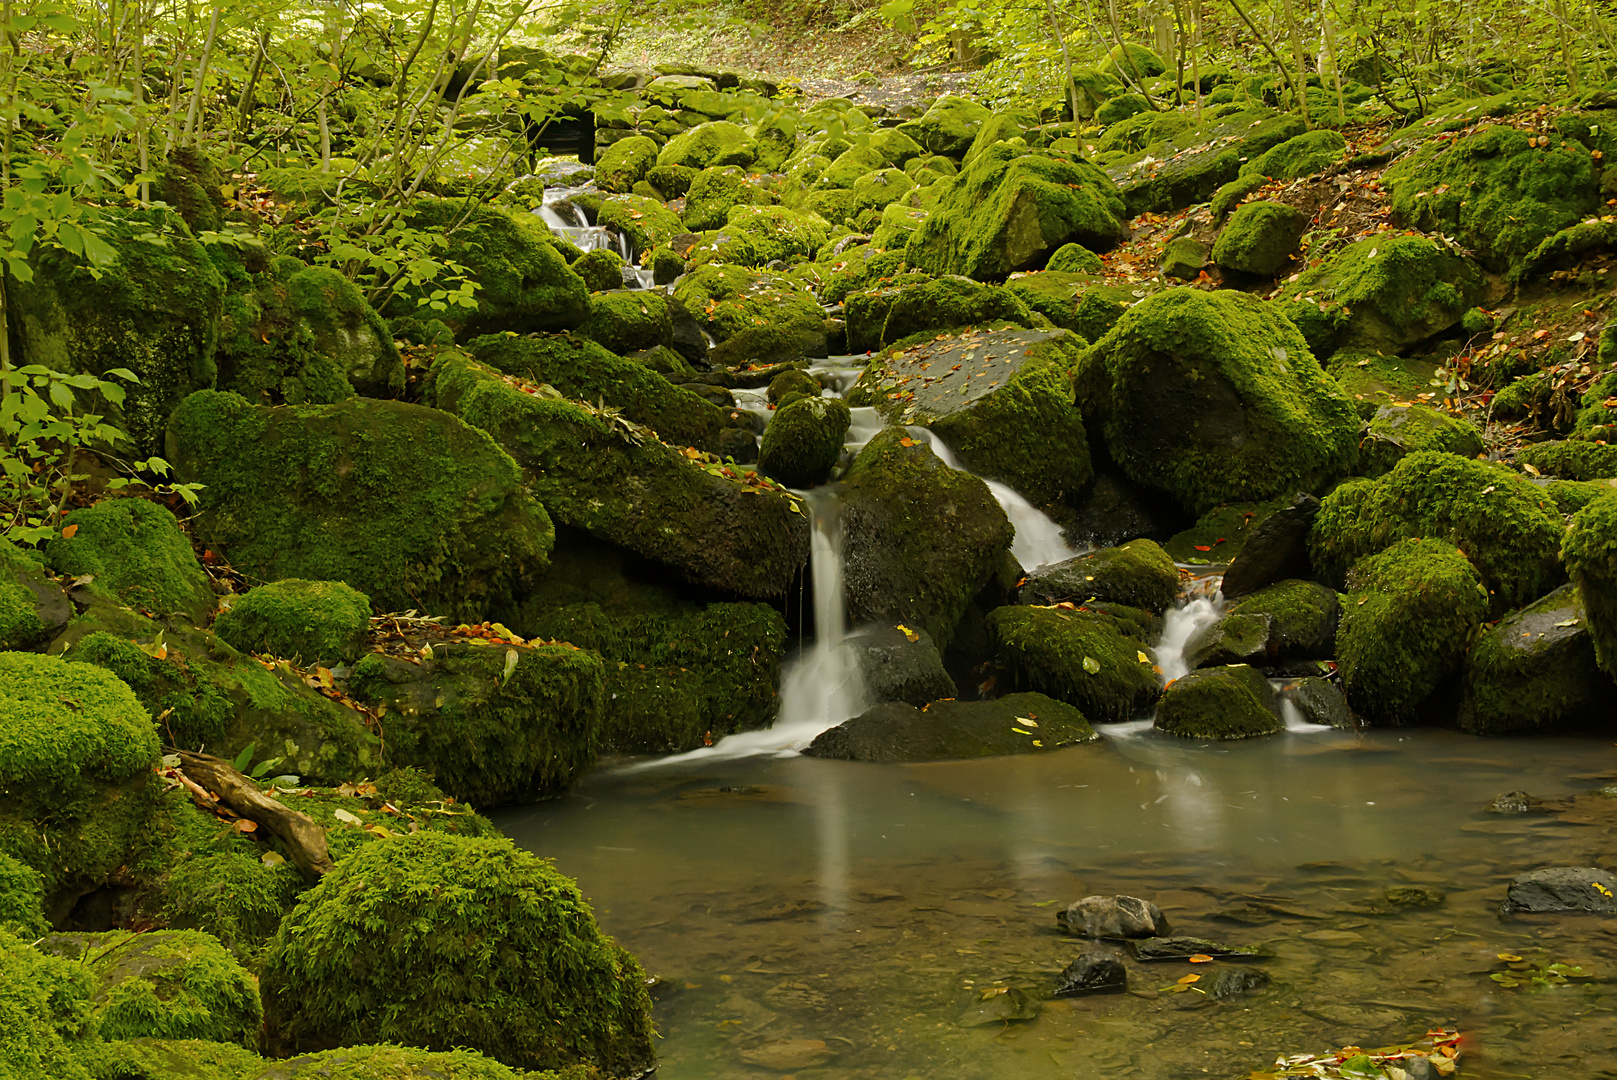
<point>565,219</point>
<point>1200,604</point>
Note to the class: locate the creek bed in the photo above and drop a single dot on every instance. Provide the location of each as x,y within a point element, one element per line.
<point>832,920</point>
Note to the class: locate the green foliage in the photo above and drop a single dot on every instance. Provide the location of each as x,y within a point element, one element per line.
<point>315,622</point>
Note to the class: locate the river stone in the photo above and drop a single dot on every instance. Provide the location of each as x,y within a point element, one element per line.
<point>1234,639</point>
<point>1514,802</point>
<point>1113,511</point>
<point>1535,670</point>
<point>1183,948</point>
<point>1277,549</point>
<point>1113,917</point>
<point>1092,974</point>
<point>1413,896</point>
<point>1139,574</point>
<point>1001,1006</point>
<point>1320,701</point>
<point>1234,982</point>
<point>789,1055</point>
<point>901,663</point>
<point>1230,702</point>
<point>1560,889</point>
<point>949,730</point>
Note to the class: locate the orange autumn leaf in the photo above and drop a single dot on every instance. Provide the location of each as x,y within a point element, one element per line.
<point>1201,958</point>
<point>69,531</point>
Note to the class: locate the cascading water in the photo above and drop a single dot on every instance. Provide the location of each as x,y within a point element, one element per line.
<point>1200,604</point>
<point>566,219</point>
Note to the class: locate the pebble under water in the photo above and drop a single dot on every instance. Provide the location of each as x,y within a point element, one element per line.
<point>830,920</point>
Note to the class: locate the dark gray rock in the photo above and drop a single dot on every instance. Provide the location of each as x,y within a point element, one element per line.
<point>1234,982</point>
<point>1276,550</point>
<point>1562,889</point>
<point>950,730</point>
<point>900,666</point>
<point>1514,802</point>
<point>1114,511</point>
<point>1183,948</point>
<point>1092,973</point>
<point>1113,917</point>
<point>1320,701</point>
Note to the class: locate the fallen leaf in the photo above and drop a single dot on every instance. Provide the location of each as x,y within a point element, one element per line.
<point>1144,659</point>
<point>344,816</point>
<point>1199,958</point>
<point>1188,979</point>
<point>69,531</point>
<point>323,675</point>
<point>246,826</point>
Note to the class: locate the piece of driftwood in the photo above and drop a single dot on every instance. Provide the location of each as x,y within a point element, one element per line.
<point>305,841</point>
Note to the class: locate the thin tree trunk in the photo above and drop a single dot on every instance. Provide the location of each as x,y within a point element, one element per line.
<point>1066,59</point>
<point>1196,55</point>
<point>1571,61</point>
<point>192,113</point>
<point>1297,56</point>
<point>244,104</point>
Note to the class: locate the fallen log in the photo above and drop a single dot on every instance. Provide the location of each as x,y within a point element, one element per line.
<point>305,841</point>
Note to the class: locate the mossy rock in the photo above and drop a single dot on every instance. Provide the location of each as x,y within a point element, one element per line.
<point>948,126</point>
<point>1141,130</point>
<point>1303,616</point>
<point>1570,496</point>
<point>22,897</point>
<point>718,142</point>
<point>527,978</point>
<point>1079,302</point>
<point>645,222</point>
<point>524,283</point>
<point>49,1027</point>
<point>778,233</point>
<point>639,493</point>
<point>1259,238</point>
<point>1590,554</point>
<point>154,312</point>
<point>1214,397</point>
<point>77,783</point>
<point>1383,293</point>
<point>1136,62</point>
<point>1396,431</point>
<point>753,316</point>
<point>921,538</point>
<point>175,1059</point>
<point>401,1063</point>
<point>1230,702</point>
<point>1009,209</point>
<point>1184,258</point>
<point>317,622</point>
<point>803,441</point>
<point>1574,459</point>
<point>1121,108</point>
<point>165,984</point>
<point>1534,671</point>
<point>398,802</point>
<point>601,269</point>
<point>1502,522</point>
<point>33,607</point>
<point>1299,156</point>
<point>1566,250</point>
<point>1372,379</point>
<point>629,320</point>
<point>859,269</point>
<point>955,730</point>
<point>1410,614</point>
<point>412,507</point>
<point>1086,659</point>
<point>792,381</point>
<point>713,192</point>
<point>880,189</point>
<point>1139,574</point>
<point>886,316</point>
<point>625,163</point>
<point>1219,535</point>
<point>1074,259</point>
<point>1494,189</point>
<point>191,183</point>
<point>1190,167</point>
<point>849,167</point>
<point>137,553</point>
<point>671,181</point>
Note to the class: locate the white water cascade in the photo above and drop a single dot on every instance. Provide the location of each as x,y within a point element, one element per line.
<point>565,219</point>
<point>1200,605</point>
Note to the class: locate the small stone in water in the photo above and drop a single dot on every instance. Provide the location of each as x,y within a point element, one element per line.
<point>1411,896</point>
<point>787,1055</point>
<point>1235,981</point>
<point>999,1007</point>
<point>1092,974</point>
<point>1114,917</point>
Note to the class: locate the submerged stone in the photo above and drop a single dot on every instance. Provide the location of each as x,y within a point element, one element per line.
<point>1000,1005</point>
<point>1562,890</point>
<point>1183,948</point>
<point>1092,974</point>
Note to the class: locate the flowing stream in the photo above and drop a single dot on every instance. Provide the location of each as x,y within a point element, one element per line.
<point>565,219</point>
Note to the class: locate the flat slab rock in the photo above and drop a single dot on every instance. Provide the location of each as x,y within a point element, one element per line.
<point>953,730</point>
<point>943,376</point>
<point>1183,948</point>
<point>1562,889</point>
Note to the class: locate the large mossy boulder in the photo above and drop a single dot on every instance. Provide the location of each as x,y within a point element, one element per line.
<point>492,725</point>
<point>1094,661</point>
<point>753,316</point>
<point>629,320</point>
<point>714,192</point>
<point>154,312</point>
<point>1139,574</point>
<point>1571,459</point>
<point>913,303</point>
<point>388,1063</point>
<point>1289,620</point>
<point>135,551</point>
<point>445,942</point>
<point>411,506</point>
<point>773,233</point>
<point>955,730</point>
<point>715,526</point>
<point>1506,526</point>
<point>1189,167</point>
<point>33,607</point>
<point>803,441</point>
<point>165,984</point>
<point>1496,189</point>
<point>921,538</point>
<point>1231,702</point>
<point>586,371</point>
<point>949,125</point>
<point>1299,156</point>
<point>523,282</point>
<point>645,222</point>
<point>1535,671</point>
<point>1010,209</point>
<point>1259,238</point>
<point>1396,431</point>
<point>1383,293</point>
<point>718,142</point>
<point>47,1024</point>
<point>1213,398</point>
<point>625,163</point>
<point>1079,301</point>
<point>1410,614</point>
<point>78,789</point>
<point>315,622</point>
<point>1589,551</point>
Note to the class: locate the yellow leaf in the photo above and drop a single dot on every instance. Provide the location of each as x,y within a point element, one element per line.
<point>1144,659</point>
<point>1188,979</point>
<point>272,858</point>
<point>324,676</point>
<point>345,816</point>
<point>1508,957</point>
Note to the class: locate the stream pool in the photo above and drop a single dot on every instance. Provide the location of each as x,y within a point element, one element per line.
<point>831,920</point>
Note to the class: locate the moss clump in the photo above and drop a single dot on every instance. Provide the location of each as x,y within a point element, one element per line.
<point>601,269</point>
<point>446,942</point>
<point>165,984</point>
<point>625,163</point>
<point>1231,702</point>
<point>704,146</point>
<point>1502,523</point>
<point>1396,431</point>
<point>1590,554</point>
<point>753,315</point>
<point>1121,108</point>
<point>317,622</point>
<point>1372,379</point>
<point>712,194</point>
<point>47,1028</point>
<point>1188,168</point>
<point>776,232</point>
<point>1074,259</point>
<point>175,1059</point>
<point>1219,535</point>
<point>1570,496</point>
<point>1010,209</point>
<point>1077,302</point>
<point>412,507</point>
<point>1259,238</point>
<point>1302,617</point>
<point>404,1063</point>
<point>197,711</point>
<point>1085,659</point>
<point>1302,155</point>
<point>1135,62</point>
<point>1215,398</point>
<point>860,268</point>
<point>792,381</point>
<point>888,315</point>
<point>645,222</point>
<point>1184,258</point>
<point>803,441</point>
<point>1534,671</point>
<point>1139,574</point>
<point>1411,612</point>
<point>1383,293</point>
<point>21,898</point>
<point>490,730</point>
<point>32,605</point>
<point>1494,189</point>
<point>628,320</point>
<point>948,126</point>
<point>136,552</point>
<point>1571,460</point>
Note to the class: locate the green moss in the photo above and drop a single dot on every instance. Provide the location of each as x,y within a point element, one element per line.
<point>1215,398</point>
<point>198,712</point>
<point>879,189</point>
<point>1074,259</point>
<point>1081,658</point>
<point>1188,168</point>
<point>410,506</point>
<point>1571,460</point>
<point>628,320</point>
<point>792,381</point>
<point>1232,702</point>
<point>671,181</point>
<point>31,603</point>
<point>1534,671</point>
<point>1501,522</point>
<point>803,441</point>
<point>1570,496</point>
<point>1121,108</point>
<point>21,898</point>
<point>1590,554</point>
<point>354,815</point>
<point>174,1059</point>
<point>885,316</point>
<point>1219,535</point>
<point>1501,195</point>
<point>1397,431</point>
<point>625,163</point>
<point>1301,155</point>
<point>136,552</point>
<point>1010,209</point>
<point>1135,62</point>
<point>1567,249</point>
<point>1143,129</point>
<point>948,126</point>
<point>1524,396</point>
<point>47,1028</point>
<point>1259,238</point>
<point>1371,379</point>
<point>713,192</point>
<point>445,942</point>
<point>1410,614</point>
<point>706,145</point>
<point>776,232</point>
<point>317,622</point>
<point>1074,301</point>
<point>1184,258</point>
<point>1302,616</point>
<point>752,315</point>
<point>647,223</point>
<point>1139,574</point>
<point>404,1063</point>
<point>858,269</point>
<point>601,269</point>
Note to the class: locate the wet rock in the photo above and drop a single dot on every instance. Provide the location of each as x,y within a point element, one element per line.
<point>1320,701</point>
<point>1139,574</point>
<point>1232,982</point>
<point>1514,802</point>
<point>1113,917</point>
<point>901,664</point>
<point>949,730</point>
<point>1231,702</point>
<point>1092,974</point>
<point>1237,638</point>
<point>1183,948</point>
<point>1413,896</point>
<point>1288,620</point>
<point>789,1055</point>
<point>1002,1005</point>
<point>1535,670</point>
<point>1115,510</point>
<point>1562,889</point>
<point>1277,549</point>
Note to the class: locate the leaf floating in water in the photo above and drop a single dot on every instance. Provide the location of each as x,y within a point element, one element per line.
<point>1512,957</point>
<point>1092,665</point>
<point>1199,958</point>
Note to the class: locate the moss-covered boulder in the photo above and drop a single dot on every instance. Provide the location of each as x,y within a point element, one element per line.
<point>1230,702</point>
<point>1589,551</point>
<point>643,221</point>
<point>77,783</point>
<point>776,232</point>
<point>753,316</point>
<point>155,312</point>
<point>601,269</point>
<point>948,126</point>
<point>1410,614</point>
<point>165,984</point>
<point>1372,379</point>
<point>803,441</point>
<point>1289,620</point>
<point>526,976</point>
<point>22,899</point>
<point>1574,459</point>
<point>317,622</point>
<point>857,269</point>
<point>1505,525</point>
<point>175,1059</point>
<point>628,320</point>
<point>885,316</point>
<point>1301,155</point>
<point>1496,189</point>
<point>1259,238</point>
<point>717,142</point>
<point>921,538</point>
<point>1139,574</point>
<point>1188,168</point>
<point>33,607</point>
<point>880,189</point>
<point>136,552</point>
<point>625,163</point>
<point>47,1027</point>
<point>1383,293</point>
<point>1088,659</point>
<point>714,525</point>
<point>1396,431</point>
<point>1535,670</point>
<point>1074,259</point>
<point>524,284</point>
<point>1213,397</point>
<point>1082,303</point>
<point>714,192</point>
<point>392,1063</point>
<point>1009,209</point>
<point>588,371</point>
<point>792,381</point>
<point>955,730</point>
<point>412,507</point>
